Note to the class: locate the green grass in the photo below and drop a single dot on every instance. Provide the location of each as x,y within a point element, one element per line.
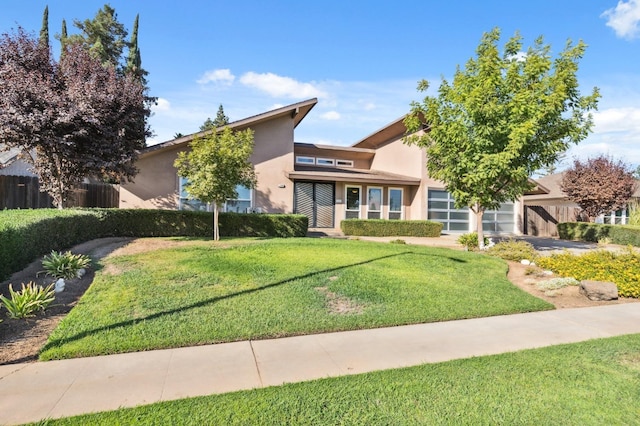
<point>206,292</point>
<point>590,383</point>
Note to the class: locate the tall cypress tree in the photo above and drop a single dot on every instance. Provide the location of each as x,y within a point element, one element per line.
<point>44,31</point>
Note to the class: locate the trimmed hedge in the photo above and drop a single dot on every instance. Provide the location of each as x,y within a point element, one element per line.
<point>27,234</point>
<point>391,228</point>
<point>593,232</point>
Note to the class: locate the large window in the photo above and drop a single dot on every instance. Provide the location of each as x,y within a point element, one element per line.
<point>352,205</point>
<point>501,220</point>
<point>187,203</point>
<point>241,204</point>
<point>441,208</point>
<point>374,203</point>
<point>395,203</point>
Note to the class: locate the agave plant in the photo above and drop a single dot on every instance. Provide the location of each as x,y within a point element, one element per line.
<point>24,303</point>
<point>64,265</point>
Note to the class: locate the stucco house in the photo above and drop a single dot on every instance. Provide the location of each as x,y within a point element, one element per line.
<point>377,177</point>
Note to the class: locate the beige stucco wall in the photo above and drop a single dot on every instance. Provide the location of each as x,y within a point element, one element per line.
<point>156,186</point>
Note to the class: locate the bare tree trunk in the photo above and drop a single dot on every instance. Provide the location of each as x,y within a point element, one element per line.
<point>479,214</point>
<point>216,232</point>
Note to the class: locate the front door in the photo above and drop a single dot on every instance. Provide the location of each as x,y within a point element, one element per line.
<point>315,200</point>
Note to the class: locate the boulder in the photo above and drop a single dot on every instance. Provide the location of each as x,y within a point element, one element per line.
<point>599,290</point>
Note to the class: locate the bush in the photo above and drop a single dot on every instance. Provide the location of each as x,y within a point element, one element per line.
<point>25,302</point>
<point>594,232</point>
<point>513,250</point>
<point>27,234</point>
<point>391,228</point>
<point>470,240</point>
<point>557,283</point>
<point>623,269</point>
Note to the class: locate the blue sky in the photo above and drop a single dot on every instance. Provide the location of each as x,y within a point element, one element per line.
<point>361,59</point>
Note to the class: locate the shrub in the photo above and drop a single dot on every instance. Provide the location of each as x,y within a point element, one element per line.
<point>557,283</point>
<point>513,250</point>
<point>25,302</point>
<point>65,265</point>
<point>623,269</point>
<point>398,241</point>
<point>470,240</point>
<point>27,234</point>
<point>391,228</point>
<point>594,232</point>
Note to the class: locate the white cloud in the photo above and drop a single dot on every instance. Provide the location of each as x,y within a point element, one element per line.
<point>223,76</point>
<point>369,106</point>
<point>162,104</point>
<point>284,87</point>
<point>625,119</point>
<point>624,18</point>
<point>331,115</point>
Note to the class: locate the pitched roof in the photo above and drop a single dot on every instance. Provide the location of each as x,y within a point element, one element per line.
<point>8,155</point>
<point>350,175</point>
<point>391,131</point>
<point>298,112</point>
<point>552,185</point>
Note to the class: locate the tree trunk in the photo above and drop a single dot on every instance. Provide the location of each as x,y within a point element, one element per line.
<point>216,232</point>
<point>479,230</point>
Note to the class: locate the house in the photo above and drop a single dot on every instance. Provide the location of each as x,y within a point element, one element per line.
<point>378,177</point>
<point>544,208</point>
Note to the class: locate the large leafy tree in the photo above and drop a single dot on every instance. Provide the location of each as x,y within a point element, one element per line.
<point>215,165</point>
<point>599,185</point>
<point>503,117</point>
<point>80,117</point>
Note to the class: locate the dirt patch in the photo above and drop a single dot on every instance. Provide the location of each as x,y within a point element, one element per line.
<point>339,305</point>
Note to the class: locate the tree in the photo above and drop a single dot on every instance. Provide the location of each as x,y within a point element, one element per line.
<point>502,118</point>
<point>44,31</point>
<point>599,185</point>
<point>81,118</point>
<point>104,36</point>
<point>215,165</point>
<point>221,120</point>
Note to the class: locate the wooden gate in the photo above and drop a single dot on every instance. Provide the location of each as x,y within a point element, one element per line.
<point>542,221</point>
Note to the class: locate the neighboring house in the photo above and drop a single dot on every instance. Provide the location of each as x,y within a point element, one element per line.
<point>11,164</point>
<point>378,177</point>
<point>549,206</point>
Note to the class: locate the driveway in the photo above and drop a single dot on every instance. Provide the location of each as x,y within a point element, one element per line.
<point>546,245</point>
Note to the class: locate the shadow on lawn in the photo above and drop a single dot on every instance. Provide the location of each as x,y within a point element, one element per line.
<point>60,342</point>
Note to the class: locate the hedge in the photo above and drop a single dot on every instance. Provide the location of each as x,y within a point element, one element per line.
<point>27,234</point>
<point>594,232</point>
<point>391,228</point>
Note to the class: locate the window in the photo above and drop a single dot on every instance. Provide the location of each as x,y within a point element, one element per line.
<point>185,202</point>
<point>395,203</point>
<point>305,160</point>
<point>240,204</point>
<point>353,202</point>
<point>441,208</point>
<point>344,163</point>
<point>501,220</point>
<point>325,162</point>
<point>374,203</point>
<point>619,217</point>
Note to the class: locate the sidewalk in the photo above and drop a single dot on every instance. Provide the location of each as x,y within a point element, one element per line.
<point>34,391</point>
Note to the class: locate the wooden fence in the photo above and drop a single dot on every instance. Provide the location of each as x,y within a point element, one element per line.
<point>542,221</point>
<point>22,192</point>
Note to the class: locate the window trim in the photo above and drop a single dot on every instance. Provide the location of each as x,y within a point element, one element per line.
<point>325,161</point>
<point>304,159</point>
<point>401,211</point>
<point>346,193</point>
<point>379,210</point>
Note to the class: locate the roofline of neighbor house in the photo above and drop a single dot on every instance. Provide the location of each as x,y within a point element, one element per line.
<point>298,112</point>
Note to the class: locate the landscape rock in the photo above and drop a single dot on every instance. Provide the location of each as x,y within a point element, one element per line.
<point>599,290</point>
<point>525,262</point>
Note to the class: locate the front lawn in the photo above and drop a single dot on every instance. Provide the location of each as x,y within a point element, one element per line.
<point>206,292</point>
<point>589,383</point>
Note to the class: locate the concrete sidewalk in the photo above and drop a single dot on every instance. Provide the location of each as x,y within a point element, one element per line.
<point>34,391</point>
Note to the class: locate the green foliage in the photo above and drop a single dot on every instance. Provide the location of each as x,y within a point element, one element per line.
<point>633,210</point>
<point>216,164</point>
<point>503,117</point>
<point>623,269</point>
<point>557,283</point>
<point>512,249</point>
<point>545,386</point>
<point>28,234</point>
<point>595,232</point>
<point>470,240</point>
<point>398,241</point>
<point>391,228</point>
<point>205,292</point>
<point>103,35</point>
<point>31,298</point>
<point>65,265</point>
